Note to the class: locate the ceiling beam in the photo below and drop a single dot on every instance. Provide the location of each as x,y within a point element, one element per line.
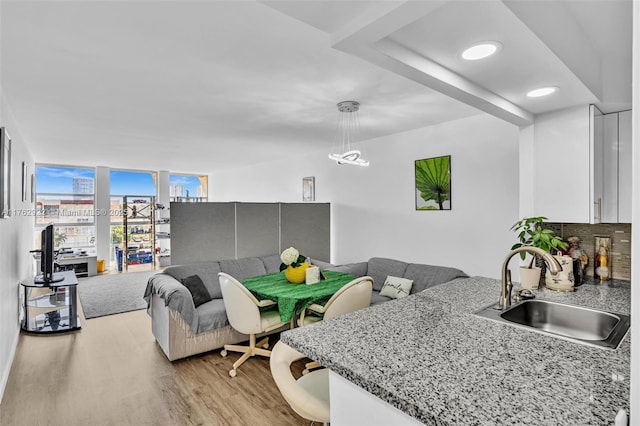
<point>437,77</point>
<point>376,23</point>
<point>368,38</point>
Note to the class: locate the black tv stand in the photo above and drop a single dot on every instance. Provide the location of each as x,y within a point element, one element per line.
<point>51,307</point>
<point>55,278</point>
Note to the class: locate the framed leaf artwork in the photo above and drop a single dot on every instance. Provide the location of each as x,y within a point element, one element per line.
<point>433,183</point>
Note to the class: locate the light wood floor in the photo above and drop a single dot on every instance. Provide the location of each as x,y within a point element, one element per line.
<point>112,372</point>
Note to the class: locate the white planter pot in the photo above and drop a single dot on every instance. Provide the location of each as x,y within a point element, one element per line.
<point>529,277</point>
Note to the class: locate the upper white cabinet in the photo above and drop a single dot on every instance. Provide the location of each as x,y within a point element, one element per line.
<point>608,160</point>
<point>582,166</point>
<point>562,168</point>
<point>597,163</point>
<point>624,166</point>
<point>616,161</point>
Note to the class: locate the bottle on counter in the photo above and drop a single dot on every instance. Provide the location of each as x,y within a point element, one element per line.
<point>602,266</point>
<point>580,260</point>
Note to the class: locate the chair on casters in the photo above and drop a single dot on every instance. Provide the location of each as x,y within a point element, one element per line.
<point>309,395</point>
<point>243,312</point>
<point>353,296</point>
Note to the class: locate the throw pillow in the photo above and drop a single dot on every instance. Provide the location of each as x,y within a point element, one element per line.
<point>197,289</point>
<point>396,287</point>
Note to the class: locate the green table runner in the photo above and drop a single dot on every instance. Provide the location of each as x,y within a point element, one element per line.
<point>293,298</point>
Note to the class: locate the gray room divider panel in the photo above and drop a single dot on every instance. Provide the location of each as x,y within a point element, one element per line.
<point>258,232</point>
<point>202,232</point>
<point>307,227</point>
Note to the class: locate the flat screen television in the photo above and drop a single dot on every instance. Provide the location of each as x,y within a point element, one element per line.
<point>47,258</point>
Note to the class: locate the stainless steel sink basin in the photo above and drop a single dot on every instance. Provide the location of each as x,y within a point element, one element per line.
<point>569,322</point>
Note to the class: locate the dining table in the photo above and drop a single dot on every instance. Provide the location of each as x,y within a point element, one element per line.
<point>293,298</point>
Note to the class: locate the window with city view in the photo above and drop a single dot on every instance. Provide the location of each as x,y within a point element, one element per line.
<point>127,183</point>
<point>65,196</point>
<point>188,188</point>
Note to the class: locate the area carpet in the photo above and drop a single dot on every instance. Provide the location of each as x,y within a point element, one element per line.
<point>113,293</point>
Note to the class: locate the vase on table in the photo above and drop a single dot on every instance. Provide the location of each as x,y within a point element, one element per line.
<point>296,275</point>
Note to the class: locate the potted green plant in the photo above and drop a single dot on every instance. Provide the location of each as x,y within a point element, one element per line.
<point>532,234</point>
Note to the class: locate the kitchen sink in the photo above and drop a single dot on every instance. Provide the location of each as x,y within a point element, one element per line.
<point>575,323</point>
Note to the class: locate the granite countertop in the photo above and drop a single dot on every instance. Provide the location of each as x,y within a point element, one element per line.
<point>430,357</point>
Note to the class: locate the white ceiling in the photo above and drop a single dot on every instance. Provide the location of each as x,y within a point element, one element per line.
<point>197,86</point>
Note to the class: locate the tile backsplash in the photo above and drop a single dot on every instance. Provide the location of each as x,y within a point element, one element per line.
<point>620,252</point>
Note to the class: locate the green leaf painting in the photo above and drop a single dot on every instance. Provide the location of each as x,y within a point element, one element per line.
<point>433,183</point>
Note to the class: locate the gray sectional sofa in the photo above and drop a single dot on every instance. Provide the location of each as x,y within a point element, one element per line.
<point>378,268</point>
<point>182,329</point>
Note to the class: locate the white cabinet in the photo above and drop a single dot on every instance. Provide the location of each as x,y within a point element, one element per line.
<point>609,161</point>
<point>562,173</point>
<point>352,405</point>
<point>616,160</point>
<point>582,166</point>
<point>597,163</point>
<point>624,167</point>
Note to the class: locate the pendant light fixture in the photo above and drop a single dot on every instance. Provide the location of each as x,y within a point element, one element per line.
<point>347,148</point>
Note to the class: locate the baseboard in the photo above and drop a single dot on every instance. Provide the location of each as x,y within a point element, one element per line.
<point>5,374</point>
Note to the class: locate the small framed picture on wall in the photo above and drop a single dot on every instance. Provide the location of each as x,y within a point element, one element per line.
<point>309,188</point>
<point>25,180</point>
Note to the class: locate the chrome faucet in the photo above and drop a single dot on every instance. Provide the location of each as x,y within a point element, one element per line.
<point>507,286</point>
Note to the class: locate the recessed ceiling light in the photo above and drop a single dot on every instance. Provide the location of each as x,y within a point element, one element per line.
<point>542,91</point>
<point>481,50</point>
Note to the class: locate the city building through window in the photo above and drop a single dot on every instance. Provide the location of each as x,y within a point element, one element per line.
<point>188,188</point>
<point>65,196</point>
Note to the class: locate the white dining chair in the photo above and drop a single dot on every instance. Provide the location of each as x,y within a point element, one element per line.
<point>244,314</point>
<point>308,395</point>
<point>353,296</point>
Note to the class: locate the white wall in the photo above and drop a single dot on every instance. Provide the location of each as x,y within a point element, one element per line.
<point>16,239</point>
<point>527,170</point>
<point>373,209</point>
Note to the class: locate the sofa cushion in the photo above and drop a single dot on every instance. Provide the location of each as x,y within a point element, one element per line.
<point>376,298</point>
<point>356,269</point>
<point>198,291</point>
<point>271,263</point>
<point>396,287</point>
<point>425,276</point>
<point>211,315</point>
<point>241,269</point>
<point>379,268</point>
<point>207,271</point>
